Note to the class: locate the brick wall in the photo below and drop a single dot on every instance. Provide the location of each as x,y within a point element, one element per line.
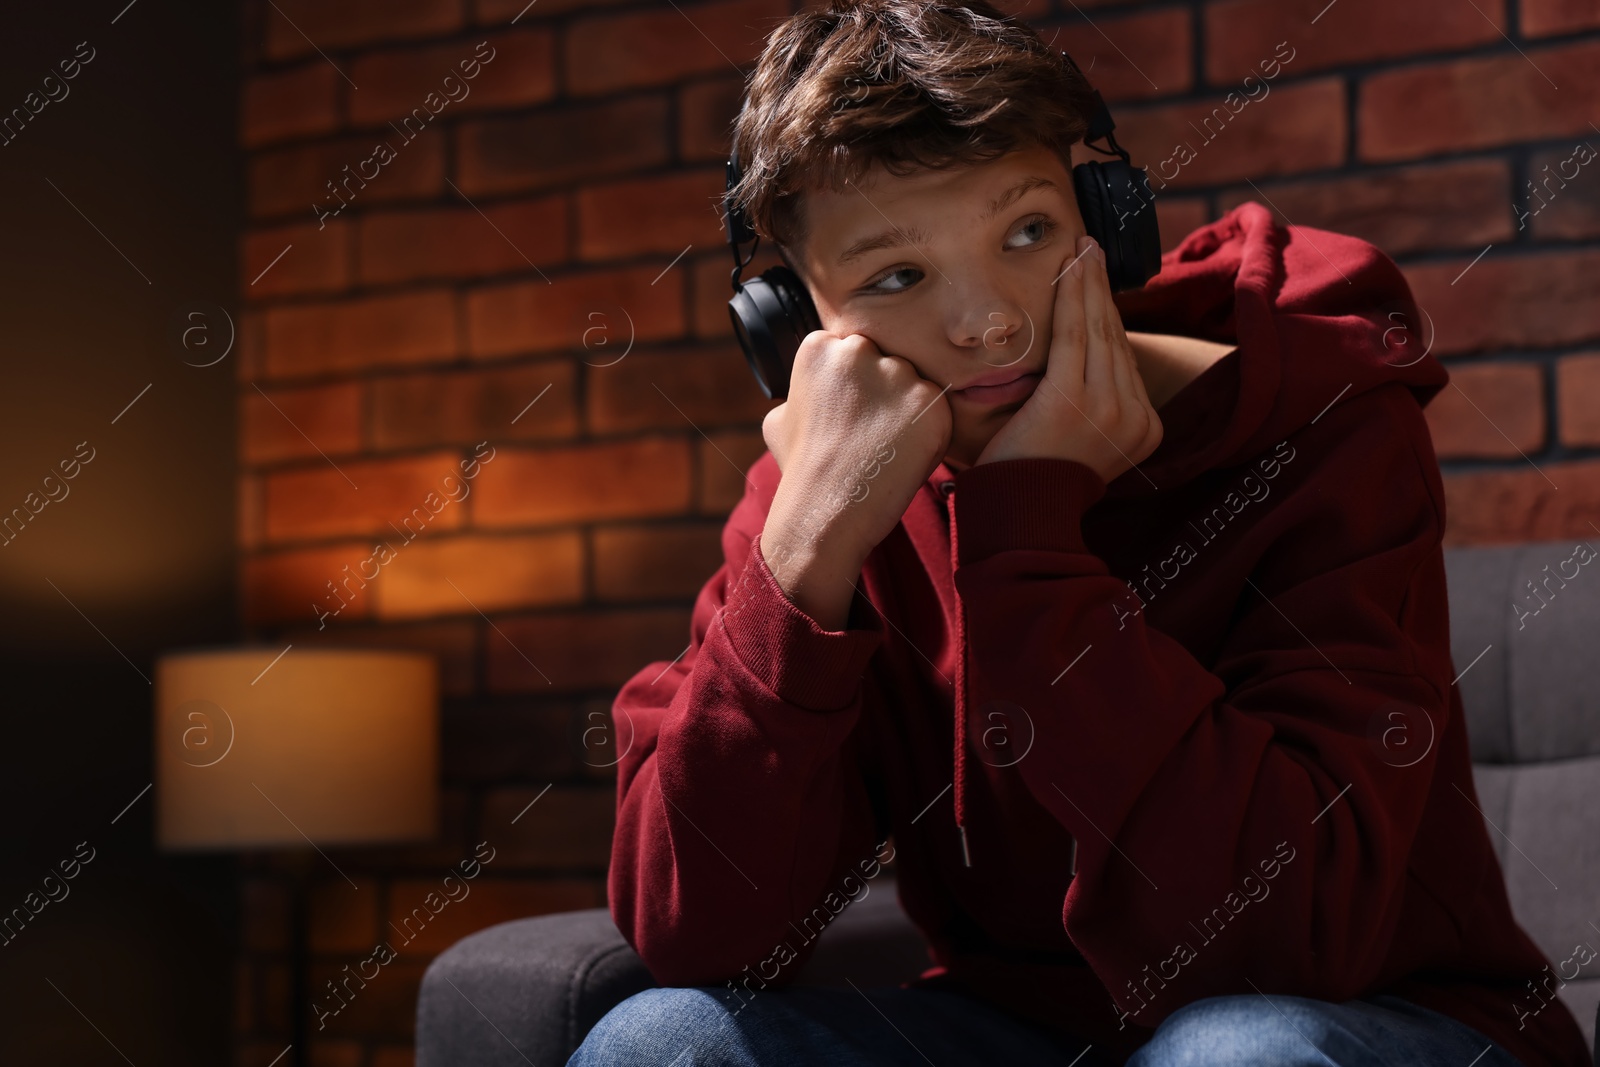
<point>479,281</point>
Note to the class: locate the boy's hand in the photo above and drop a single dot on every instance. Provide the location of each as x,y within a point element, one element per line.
<point>855,439</point>
<point>1090,406</point>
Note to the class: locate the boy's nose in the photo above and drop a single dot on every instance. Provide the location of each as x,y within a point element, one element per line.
<point>1005,336</point>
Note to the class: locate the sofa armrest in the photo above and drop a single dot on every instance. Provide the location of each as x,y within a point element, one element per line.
<point>535,987</point>
<point>524,991</point>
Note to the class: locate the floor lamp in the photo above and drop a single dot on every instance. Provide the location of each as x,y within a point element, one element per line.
<point>306,751</point>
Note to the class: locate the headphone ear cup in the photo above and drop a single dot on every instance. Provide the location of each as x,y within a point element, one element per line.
<point>1119,212</point>
<point>771,315</point>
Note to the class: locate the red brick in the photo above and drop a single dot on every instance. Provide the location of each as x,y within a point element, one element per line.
<point>706,111</point>
<point>1290,128</point>
<point>598,741</point>
<point>1545,18</point>
<point>344,918</point>
<point>1029,10</point>
<point>466,407</point>
<point>513,237</point>
<point>1133,56</point>
<point>253,1053</point>
<point>296,27</point>
<point>294,180</point>
<point>676,389</point>
<point>293,260</point>
<point>1568,200</point>
<point>1489,410</point>
<point>570,144</point>
<point>279,424</point>
<point>573,652</point>
<point>566,828</point>
<point>466,575</point>
<point>630,479</point>
<point>453,644</point>
<point>1242,34</point>
<point>336,1053</point>
<point>520,70</point>
<point>1578,399</point>
<point>302,102</point>
<point>611,52</point>
<point>318,501</point>
<point>1180,216</point>
<point>1411,209</point>
<point>247,524</point>
<point>251,344</point>
<point>655,562</point>
<point>463,906</point>
<point>489,741</point>
<point>1509,301</point>
<point>408,328</point>
<point>275,984</point>
<point>724,460</point>
<point>501,12</point>
<point>1023,9</point>
<point>1477,103</point>
<point>244,997</point>
<point>293,587</point>
<point>659,214</point>
<point>264,915</point>
<point>601,312</point>
<point>1521,504</point>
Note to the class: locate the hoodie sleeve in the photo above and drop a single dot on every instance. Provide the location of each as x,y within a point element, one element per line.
<point>1190,789</point>
<point>739,805</point>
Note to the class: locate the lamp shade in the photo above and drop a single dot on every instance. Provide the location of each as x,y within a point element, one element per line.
<point>262,748</point>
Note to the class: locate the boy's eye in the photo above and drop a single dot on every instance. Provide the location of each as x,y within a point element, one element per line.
<point>1041,226</point>
<point>877,286</point>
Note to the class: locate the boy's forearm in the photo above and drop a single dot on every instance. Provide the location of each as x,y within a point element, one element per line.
<point>818,581</point>
<point>760,706</point>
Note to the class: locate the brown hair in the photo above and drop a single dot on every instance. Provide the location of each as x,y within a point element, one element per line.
<point>904,83</point>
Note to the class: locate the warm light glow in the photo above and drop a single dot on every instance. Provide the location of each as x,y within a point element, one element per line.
<point>257,751</point>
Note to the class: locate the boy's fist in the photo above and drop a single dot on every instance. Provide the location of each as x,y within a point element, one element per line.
<point>856,437</point>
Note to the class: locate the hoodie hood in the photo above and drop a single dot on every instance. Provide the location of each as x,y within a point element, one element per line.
<point>1318,318</point>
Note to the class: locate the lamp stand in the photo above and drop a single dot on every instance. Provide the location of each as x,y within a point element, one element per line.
<point>299,864</point>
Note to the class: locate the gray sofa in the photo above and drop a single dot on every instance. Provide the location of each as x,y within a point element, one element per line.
<point>528,991</point>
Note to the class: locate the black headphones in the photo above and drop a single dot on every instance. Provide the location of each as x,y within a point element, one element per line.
<point>773,313</point>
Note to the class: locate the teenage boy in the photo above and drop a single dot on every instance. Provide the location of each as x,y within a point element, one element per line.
<point>1124,618</point>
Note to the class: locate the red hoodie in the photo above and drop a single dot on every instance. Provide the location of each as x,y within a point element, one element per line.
<point>1198,727</point>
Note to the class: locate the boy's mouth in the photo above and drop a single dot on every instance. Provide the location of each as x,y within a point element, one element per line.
<point>1020,388</point>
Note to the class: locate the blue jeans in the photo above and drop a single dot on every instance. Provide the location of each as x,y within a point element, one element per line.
<point>801,1026</point>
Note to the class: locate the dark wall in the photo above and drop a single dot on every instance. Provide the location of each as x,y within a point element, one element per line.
<point>119,205</point>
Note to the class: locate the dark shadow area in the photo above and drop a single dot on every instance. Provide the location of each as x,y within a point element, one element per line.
<point>120,192</point>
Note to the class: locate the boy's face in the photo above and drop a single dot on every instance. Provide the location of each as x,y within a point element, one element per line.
<point>970,295</point>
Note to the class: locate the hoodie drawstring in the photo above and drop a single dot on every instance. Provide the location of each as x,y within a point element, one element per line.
<point>949,490</point>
